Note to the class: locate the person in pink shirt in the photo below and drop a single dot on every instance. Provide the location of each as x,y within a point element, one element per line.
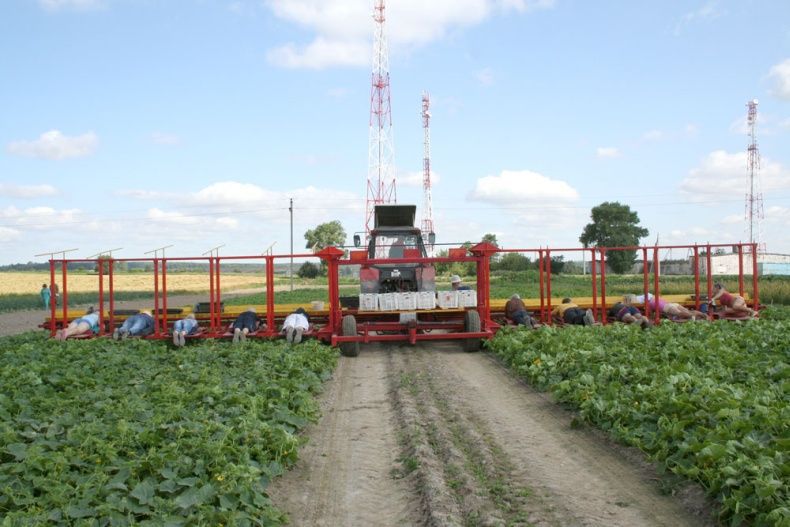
<point>734,305</point>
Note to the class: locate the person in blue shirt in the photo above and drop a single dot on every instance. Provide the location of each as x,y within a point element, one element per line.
<point>182,328</point>
<point>457,284</point>
<point>246,323</point>
<point>45,295</point>
<point>138,325</point>
<point>87,322</point>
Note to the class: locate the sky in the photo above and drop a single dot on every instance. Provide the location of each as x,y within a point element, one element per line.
<point>137,124</point>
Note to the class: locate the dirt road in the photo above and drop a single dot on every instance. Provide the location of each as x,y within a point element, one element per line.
<point>434,436</point>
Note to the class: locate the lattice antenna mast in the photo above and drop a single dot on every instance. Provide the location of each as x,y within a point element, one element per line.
<point>381,151</point>
<point>427,206</point>
<point>754,198</point>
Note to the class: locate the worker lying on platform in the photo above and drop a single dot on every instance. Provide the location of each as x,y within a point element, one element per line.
<point>182,328</point>
<point>139,325</point>
<point>570,313</point>
<point>671,310</point>
<point>516,311</point>
<point>87,322</point>
<point>628,314</point>
<point>734,305</point>
<point>246,323</point>
<point>295,325</point>
<point>457,284</point>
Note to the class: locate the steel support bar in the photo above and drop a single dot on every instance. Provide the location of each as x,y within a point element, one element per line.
<point>547,270</point>
<point>594,282</point>
<point>217,292</point>
<point>212,318</point>
<point>63,268</point>
<point>157,313</point>
<point>405,337</point>
<point>164,294</point>
<point>269,293</point>
<point>755,289</point>
<point>603,286</point>
<point>101,297</point>
<point>645,281</point>
<point>112,295</point>
<point>656,287</point>
<point>696,277</point>
<point>52,299</point>
<point>543,318</point>
<point>740,270</point>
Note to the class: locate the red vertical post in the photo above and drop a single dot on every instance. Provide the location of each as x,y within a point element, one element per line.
<point>270,328</point>
<point>52,299</point>
<point>547,269</point>
<point>156,296</point>
<point>593,273</point>
<point>709,277</point>
<point>543,318</point>
<point>645,281</point>
<point>740,269</point>
<point>331,255</point>
<point>212,319</point>
<point>63,267</point>
<point>217,292</point>
<point>696,277</point>
<point>603,286</point>
<point>100,261</point>
<point>483,254</point>
<point>755,270</point>
<point>656,287</point>
<point>112,296</point>
<point>164,293</point>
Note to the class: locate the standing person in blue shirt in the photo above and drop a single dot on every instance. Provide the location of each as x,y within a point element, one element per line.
<point>457,284</point>
<point>45,295</point>
<point>87,322</point>
<point>138,325</point>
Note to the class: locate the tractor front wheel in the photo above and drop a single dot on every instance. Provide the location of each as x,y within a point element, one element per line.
<point>349,349</point>
<point>471,325</point>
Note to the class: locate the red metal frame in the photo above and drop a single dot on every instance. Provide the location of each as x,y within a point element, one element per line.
<point>371,324</point>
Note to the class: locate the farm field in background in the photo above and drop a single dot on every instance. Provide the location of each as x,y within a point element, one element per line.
<point>708,401</point>
<point>27,283</point>
<point>138,432</point>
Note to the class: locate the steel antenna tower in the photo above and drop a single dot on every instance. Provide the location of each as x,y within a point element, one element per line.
<point>427,207</point>
<point>754,198</point>
<point>381,152</point>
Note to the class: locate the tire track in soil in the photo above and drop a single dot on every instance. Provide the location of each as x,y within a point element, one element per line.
<point>429,435</point>
<point>345,474</point>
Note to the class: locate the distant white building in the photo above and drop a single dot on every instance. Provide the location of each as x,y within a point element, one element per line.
<point>767,264</point>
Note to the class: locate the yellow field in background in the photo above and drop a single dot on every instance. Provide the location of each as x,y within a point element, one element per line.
<point>27,283</point>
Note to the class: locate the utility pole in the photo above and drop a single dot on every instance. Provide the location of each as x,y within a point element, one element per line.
<point>291,270</point>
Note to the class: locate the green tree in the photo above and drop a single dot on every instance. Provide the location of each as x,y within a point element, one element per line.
<point>614,225</point>
<point>325,235</point>
<point>512,262</point>
<point>308,270</point>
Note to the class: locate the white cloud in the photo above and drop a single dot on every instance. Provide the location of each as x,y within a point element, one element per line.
<point>40,218</point>
<point>779,214</point>
<point>732,219</point>
<point>780,75</point>
<point>485,77</point>
<point>653,135</point>
<point>414,179</point>
<point>54,145</point>
<point>722,173</point>
<point>162,138</point>
<point>707,11</point>
<point>521,186</point>
<point>343,28</point>
<point>607,152</point>
<point>57,5</point>
<point>26,191</point>
<point>8,235</point>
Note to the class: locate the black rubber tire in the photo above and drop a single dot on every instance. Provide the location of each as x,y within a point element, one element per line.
<point>349,349</point>
<point>471,325</point>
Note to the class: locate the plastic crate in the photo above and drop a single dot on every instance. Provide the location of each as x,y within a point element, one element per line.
<point>368,302</point>
<point>447,299</point>
<point>387,301</point>
<point>407,301</point>
<point>426,300</point>
<point>467,298</point>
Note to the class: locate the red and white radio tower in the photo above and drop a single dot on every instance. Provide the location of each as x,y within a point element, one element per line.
<point>754,198</point>
<point>381,153</point>
<point>427,207</point>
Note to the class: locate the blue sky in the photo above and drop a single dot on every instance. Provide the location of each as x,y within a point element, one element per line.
<point>142,123</point>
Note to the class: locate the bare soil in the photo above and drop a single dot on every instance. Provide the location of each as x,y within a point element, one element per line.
<point>429,435</point>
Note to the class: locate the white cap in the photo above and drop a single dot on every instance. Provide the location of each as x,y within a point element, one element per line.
<point>455,279</point>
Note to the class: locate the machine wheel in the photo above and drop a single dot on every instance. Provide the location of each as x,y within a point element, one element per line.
<point>471,325</point>
<point>349,349</point>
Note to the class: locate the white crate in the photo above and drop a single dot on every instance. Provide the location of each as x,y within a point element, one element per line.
<point>467,298</point>
<point>368,302</point>
<point>447,299</point>
<point>426,300</point>
<point>407,301</point>
<point>387,301</point>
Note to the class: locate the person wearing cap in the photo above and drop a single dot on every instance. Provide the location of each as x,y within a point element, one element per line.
<point>516,311</point>
<point>182,328</point>
<point>246,323</point>
<point>294,325</point>
<point>87,322</point>
<point>457,284</point>
<point>139,325</point>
